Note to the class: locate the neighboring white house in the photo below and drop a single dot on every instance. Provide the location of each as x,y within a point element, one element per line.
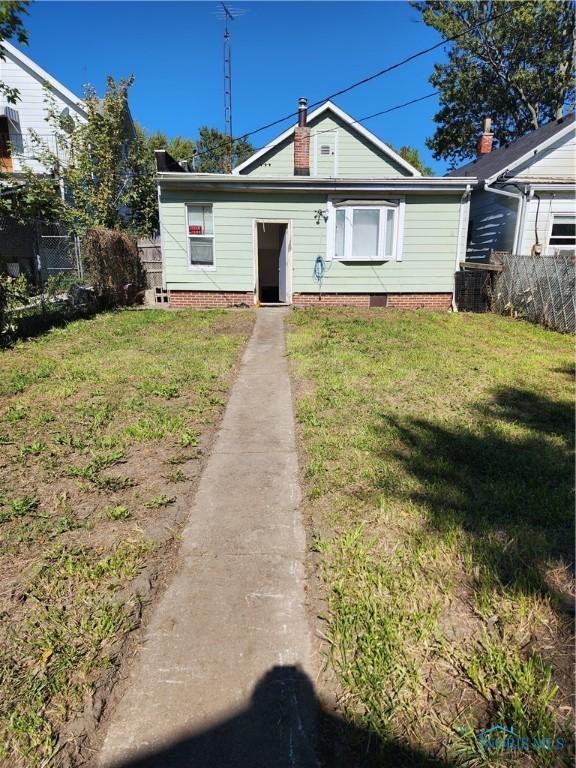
<point>525,199</point>
<point>30,111</point>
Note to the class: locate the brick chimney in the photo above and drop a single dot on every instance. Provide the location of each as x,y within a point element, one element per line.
<point>302,141</point>
<point>484,146</point>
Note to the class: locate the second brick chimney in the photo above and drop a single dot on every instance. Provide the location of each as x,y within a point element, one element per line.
<point>302,141</point>
<point>484,145</point>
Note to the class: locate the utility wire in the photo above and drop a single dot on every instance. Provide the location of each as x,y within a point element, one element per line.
<point>368,79</point>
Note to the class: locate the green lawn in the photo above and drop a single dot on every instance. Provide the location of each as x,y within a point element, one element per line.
<point>438,458</point>
<point>102,426</point>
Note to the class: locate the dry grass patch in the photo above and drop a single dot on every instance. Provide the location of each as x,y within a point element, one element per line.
<point>102,426</point>
<point>439,471</point>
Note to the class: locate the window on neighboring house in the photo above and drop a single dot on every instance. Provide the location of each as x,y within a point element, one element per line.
<point>368,232</point>
<point>200,235</point>
<point>5,154</point>
<point>563,233</point>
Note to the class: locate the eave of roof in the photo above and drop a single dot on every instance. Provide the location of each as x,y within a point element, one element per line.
<point>491,166</point>
<point>41,74</point>
<point>313,183</point>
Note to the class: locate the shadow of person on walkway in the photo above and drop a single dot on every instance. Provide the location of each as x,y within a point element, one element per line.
<point>284,726</point>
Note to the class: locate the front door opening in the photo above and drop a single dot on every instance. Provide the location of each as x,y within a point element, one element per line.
<point>272,262</point>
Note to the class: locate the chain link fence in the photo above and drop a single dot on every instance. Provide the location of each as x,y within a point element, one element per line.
<point>537,288</point>
<point>57,252</point>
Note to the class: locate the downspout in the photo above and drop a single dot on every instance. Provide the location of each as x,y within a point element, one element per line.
<point>464,204</point>
<point>160,232</point>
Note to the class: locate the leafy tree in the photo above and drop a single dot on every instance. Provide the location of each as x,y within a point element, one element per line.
<point>90,162</point>
<point>212,151</point>
<point>11,27</point>
<point>412,156</point>
<point>516,69</point>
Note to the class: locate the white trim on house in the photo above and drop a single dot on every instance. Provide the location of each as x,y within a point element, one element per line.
<point>200,267</point>
<point>27,63</point>
<point>226,181</point>
<point>329,106</point>
<point>288,223</point>
<point>533,153</point>
<point>398,204</point>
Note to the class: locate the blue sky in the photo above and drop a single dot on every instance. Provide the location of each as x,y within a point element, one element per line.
<point>281,50</point>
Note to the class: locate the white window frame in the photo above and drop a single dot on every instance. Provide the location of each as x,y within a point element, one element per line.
<point>555,217</point>
<point>396,203</point>
<point>212,237</point>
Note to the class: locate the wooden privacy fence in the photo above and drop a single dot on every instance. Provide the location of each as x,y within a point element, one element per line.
<point>151,258</point>
<point>538,288</point>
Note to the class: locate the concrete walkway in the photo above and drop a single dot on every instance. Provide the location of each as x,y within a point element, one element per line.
<point>222,678</point>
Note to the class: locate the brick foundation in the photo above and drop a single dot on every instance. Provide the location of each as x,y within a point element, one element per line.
<point>435,301</point>
<point>210,299</point>
<point>219,299</point>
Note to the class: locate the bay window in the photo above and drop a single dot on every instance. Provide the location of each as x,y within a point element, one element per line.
<point>366,231</point>
<point>200,228</point>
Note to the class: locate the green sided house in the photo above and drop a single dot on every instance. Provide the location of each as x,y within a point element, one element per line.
<point>326,213</point>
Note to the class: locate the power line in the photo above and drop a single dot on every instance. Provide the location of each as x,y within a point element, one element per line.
<point>369,117</point>
<point>369,78</point>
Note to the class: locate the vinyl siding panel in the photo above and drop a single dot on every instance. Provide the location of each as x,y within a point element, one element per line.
<point>429,251</point>
<point>557,161</point>
<point>31,109</point>
<point>539,219</point>
<point>354,156</point>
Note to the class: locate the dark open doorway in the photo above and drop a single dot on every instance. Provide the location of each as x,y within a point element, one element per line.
<point>272,262</point>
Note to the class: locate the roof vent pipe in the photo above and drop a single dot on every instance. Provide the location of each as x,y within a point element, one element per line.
<point>302,112</point>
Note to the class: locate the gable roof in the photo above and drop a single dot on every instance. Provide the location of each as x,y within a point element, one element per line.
<point>490,166</point>
<point>41,74</point>
<point>329,106</point>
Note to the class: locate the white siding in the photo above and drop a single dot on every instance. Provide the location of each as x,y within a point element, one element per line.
<point>539,218</point>
<point>556,161</point>
<point>31,109</point>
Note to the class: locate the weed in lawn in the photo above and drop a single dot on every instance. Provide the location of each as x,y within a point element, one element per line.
<point>34,449</point>
<point>18,508</point>
<point>180,458</point>
<point>187,439</point>
<point>157,502</point>
<point>119,512</point>
<point>176,477</point>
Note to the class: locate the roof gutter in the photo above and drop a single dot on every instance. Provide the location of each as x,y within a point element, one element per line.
<point>242,183</point>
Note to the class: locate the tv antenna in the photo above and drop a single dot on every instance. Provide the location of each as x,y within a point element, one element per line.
<point>228,14</point>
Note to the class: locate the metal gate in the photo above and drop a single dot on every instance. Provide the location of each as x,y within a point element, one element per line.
<point>57,251</point>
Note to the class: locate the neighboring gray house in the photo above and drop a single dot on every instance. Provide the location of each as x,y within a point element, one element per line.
<point>326,212</point>
<point>524,201</point>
